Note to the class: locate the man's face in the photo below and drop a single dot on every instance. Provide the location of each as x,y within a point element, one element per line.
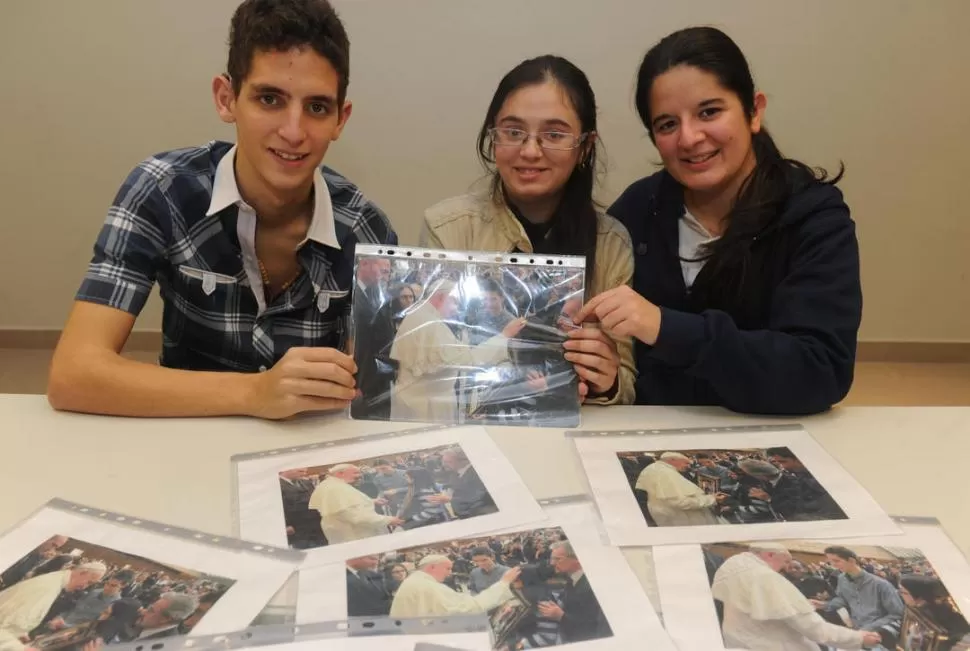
<point>82,579</point>
<point>492,302</point>
<point>707,463</point>
<point>399,573</point>
<point>562,563</point>
<point>839,563</point>
<point>786,463</point>
<point>113,587</point>
<point>796,570</point>
<point>680,464</point>
<point>440,571</point>
<point>350,475</point>
<point>385,470</point>
<point>483,562</point>
<point>154,615</point>
<point>286,115</point>
<point>373,272</point>
<point>295,473</point>
<point>450,461</point>
<point>364,563</point>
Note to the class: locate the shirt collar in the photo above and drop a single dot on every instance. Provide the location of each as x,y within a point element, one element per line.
<point>576,576</point>
<point>225,192</point>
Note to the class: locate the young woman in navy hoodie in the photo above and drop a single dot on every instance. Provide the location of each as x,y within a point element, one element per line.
<point>746,290</point>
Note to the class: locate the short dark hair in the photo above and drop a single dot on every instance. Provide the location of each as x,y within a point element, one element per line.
<point>842,552</point>
<point>383,462</point>
<point>280,25</point>
<point>702,455</point>
<point>783,452</point>
<point>483,551</point>
<point>124,576</point>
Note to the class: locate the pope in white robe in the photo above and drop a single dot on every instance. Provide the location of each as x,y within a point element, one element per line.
<point>764,611</point>
<point>24,605</point>
<point>672,499</point>
<point>346,513</point>
<point>423,594</point>
<point>430,357</point>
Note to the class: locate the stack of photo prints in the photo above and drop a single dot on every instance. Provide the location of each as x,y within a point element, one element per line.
<point>426,537</point>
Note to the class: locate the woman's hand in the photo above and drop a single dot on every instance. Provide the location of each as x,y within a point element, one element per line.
<point>623,313</point>
<point>594,356</point>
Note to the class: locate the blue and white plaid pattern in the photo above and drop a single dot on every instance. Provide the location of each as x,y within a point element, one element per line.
<point>157,231</point>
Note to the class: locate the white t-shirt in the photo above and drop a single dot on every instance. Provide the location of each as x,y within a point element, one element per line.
<point>692,236</point>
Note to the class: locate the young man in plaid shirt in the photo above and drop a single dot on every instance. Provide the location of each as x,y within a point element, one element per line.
<point>251,244</point>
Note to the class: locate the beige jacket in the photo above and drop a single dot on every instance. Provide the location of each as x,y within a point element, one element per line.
<point>476,222</point>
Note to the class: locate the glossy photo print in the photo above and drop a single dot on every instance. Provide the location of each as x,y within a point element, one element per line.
<point>451,337</point>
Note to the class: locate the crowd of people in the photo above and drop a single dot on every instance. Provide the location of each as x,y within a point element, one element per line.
<point>59,598</point>
<point>531,585</point>
<point>702,487</point>
<point>449,341</point>
<point>373,497</point>
<point>768,599</point>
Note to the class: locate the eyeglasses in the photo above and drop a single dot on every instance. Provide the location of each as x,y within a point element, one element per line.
<point>553,140</point>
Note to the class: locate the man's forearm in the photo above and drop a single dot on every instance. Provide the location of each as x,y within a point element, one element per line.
<point>107,383</point>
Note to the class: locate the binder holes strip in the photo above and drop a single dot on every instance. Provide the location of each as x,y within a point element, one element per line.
<point>258,636</point>
<point>201,537</point>
<point>471,256</point>
<point>329,444</point>
<point>734,429</point>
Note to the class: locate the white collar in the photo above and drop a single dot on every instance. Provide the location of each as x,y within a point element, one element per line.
<point>225,192</point>
<point>576,576</point>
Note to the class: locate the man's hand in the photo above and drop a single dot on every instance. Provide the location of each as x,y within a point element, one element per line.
<point>510,576</point>
<point>550,610</point>
<point>536,381</point>
<point>56,624</point>
<point>816,604</point>
<point>305,379</point>
<point>871,639</point>
<point>720,497</point>
<point>380,501</point>
<point>395,522</point>
<point>624,313</point>
<point>759,494</point>
<point>440,498</point>
<point>290,531</point>
<point>513,328</point>
<point>594,356</point>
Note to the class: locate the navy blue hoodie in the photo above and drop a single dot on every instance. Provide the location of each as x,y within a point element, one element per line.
<point>785,342</point>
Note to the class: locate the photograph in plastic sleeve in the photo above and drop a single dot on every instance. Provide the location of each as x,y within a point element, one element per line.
<point>377,496</point>
<point>83,591</point>
<point>905,593</point>
<point>674,488</point>
<point>69,579</point>
<point>465,339</point>
<point>339,501</point>
<point>558,585</point>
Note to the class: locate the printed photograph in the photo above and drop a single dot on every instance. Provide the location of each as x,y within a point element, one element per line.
<point>338,503</point>
<point>70,594</point>
<point>464,342</point>
<point>801,594</point>
<point>530,584</point>
<point>679,488</point>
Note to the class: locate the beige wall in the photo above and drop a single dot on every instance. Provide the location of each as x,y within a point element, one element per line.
<point>89,88</point>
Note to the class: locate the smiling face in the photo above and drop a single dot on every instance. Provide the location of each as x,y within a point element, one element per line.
<point>286,115</point>
<point>702,131</point>
<point>530,173</point>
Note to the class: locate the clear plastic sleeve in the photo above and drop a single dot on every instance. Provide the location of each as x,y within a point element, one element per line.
<point>464,337</point>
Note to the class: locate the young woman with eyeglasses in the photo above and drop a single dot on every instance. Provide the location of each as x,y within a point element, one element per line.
<point>746,291</point>
<point>538,141</point>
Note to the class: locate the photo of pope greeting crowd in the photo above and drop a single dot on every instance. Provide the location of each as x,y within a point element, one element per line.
<point>810,594</point>
<point>740,486</point>
<point>331,504</point>
<point>531,584</point>
<point>451,341</point>
<point>68,593</point>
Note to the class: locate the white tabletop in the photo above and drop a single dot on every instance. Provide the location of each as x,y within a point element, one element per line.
<point>177,471</point>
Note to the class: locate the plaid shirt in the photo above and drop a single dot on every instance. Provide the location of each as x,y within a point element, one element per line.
<point>160,228</point>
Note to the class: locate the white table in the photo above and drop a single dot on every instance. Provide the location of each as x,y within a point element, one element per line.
<point>912,459</point>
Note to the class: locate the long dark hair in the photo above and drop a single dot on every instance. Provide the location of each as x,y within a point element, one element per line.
<point>574,226</point>
<point>774,179</point>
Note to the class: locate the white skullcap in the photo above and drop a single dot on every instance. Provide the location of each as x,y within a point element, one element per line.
<point>674,455</point>
<point>92,566</point>
<point>766,546</point>
<point>340,467</point>
<point>433,559</point>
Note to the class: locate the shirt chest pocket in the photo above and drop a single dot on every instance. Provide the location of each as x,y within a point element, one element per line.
<point>205,287</point>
